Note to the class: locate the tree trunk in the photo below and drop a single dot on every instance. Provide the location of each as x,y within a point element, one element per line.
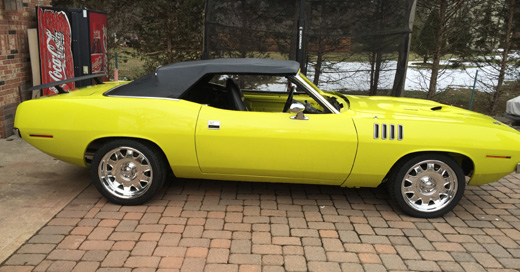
<point>372,72</point>
<point>503,61</point>
<point>376,60</point>
<point>438,49</point>
<point>244,30</point>
<point>293,43</point>
<point>379,61</point>
<point>433,78</point>
<point>169,49</point>
<point>317,68</point>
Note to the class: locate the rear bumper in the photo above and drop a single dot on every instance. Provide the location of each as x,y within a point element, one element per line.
<point>17,133</point>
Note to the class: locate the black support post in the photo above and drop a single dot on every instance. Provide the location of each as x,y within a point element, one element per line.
<point>300,51</point>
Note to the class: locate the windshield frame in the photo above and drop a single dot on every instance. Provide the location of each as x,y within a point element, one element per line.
<point>314,92</point>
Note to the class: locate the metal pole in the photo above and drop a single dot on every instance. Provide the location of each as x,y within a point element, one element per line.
<point>473,91</point>
<point>301,27</point>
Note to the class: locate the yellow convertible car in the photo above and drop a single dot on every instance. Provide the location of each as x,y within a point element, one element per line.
<point>262,120</point>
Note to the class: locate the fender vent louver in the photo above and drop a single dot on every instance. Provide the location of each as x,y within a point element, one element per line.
<point>390,132</point>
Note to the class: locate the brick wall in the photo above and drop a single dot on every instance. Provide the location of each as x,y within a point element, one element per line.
<point>16,16</point>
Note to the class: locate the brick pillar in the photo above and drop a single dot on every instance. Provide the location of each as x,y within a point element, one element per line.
<point>16,16</point>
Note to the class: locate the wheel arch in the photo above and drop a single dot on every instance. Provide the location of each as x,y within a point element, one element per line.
<point>94,145</point>
<point>466,163</point>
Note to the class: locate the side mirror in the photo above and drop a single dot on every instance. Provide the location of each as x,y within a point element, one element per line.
<point>298,108</point>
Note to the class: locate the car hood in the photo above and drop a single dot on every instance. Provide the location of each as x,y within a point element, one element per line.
<point>415,109</point>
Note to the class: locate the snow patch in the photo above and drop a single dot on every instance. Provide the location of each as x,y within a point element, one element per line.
<point>355,76</point>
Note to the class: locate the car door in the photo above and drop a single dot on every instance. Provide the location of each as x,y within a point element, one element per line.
<point>247,145</point>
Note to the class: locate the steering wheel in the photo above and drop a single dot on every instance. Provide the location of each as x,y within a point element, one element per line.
<point>289,99</point>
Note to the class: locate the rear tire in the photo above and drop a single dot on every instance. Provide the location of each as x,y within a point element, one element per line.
<point>128,172</point>
<point>427,185</point>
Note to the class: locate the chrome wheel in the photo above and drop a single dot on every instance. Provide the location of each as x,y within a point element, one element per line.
<point>125,172</point>
<point>429,186</point>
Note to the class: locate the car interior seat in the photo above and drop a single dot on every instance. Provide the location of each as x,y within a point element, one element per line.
<point>236,95</point>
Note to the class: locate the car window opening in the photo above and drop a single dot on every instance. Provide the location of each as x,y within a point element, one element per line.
<point>260,93</point>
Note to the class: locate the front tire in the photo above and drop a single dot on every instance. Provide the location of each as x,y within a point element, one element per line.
<point>428,185</point>
<point>128,172</point>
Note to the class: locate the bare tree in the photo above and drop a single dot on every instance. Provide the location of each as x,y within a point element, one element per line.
<point>248,28</point>
<point>501,26</point>
<point>448,14</point>
<point>326,34</point>
<point>504,57</point>
<point>170,31</point>
<point>165,31</point>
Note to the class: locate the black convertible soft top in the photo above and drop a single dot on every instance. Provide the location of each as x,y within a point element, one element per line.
<point>174,79</point>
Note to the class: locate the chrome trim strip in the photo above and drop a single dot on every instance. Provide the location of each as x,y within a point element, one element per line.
<point>68,80</point>
<point>145,97</point>
<point>388,131</point>
<point>107,93</point>
<point>384,131</point>
<point>376,131</point>
<point>316,94</point>
<point>89,156</point>
<point>392,132</point>
<point>16,132</point>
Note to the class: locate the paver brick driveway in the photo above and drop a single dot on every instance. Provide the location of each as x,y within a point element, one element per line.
<point>228,226</point>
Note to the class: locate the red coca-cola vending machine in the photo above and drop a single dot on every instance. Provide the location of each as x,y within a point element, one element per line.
<point>72,43</point>
<point>98,42</point>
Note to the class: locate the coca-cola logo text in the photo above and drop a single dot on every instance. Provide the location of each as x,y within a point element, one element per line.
<point>54,40</point>
<point>97,65</point>
<point>56,47</point>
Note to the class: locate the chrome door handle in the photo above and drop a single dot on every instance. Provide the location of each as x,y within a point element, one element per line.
<point>213,124</point>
